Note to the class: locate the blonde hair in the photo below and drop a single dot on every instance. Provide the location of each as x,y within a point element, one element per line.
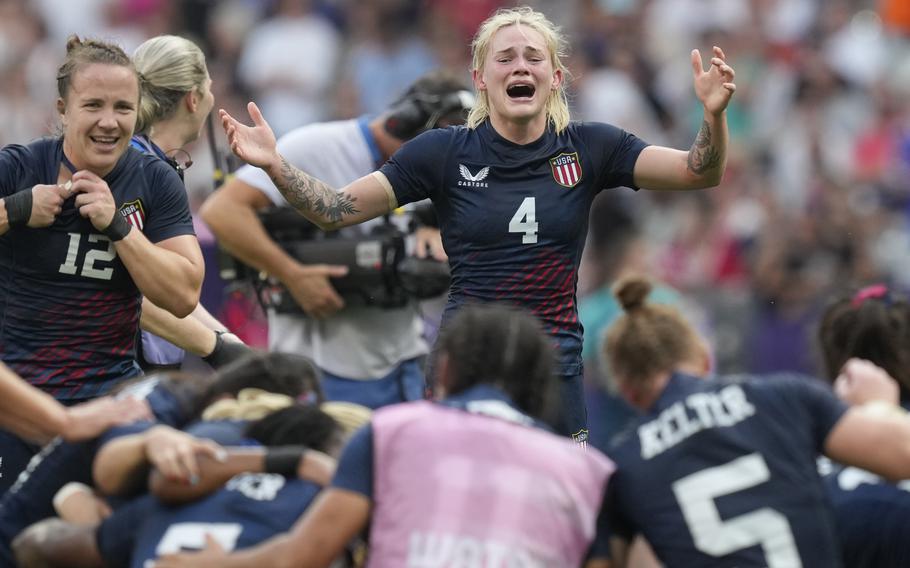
<point>557,106</point>
<point>250,404</point>
<point>170,67</point>
<point>648,339</point>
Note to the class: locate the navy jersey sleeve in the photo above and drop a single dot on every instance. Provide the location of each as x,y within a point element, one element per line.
<point>355,467</point>
<point>14,160</point>
<point>415,170</point>
<point>169,210</point>
<point>823,406</point>
<point>115,537</point>
<point>618,151</point>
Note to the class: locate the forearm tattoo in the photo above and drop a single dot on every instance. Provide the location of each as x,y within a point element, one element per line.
<point>703,156</point>
<point>309,195</point>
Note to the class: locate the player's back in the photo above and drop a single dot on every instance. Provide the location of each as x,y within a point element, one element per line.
<point>722,473</point>
<point>871,516</point>
<point>251,508</point>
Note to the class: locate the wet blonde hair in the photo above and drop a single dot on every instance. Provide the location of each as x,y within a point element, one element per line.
<point>170,67</point>
<point>557,106</point>
<point>648,339</point>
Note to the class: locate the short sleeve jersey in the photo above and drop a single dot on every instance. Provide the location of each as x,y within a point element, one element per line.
<point>514,217</point>
<point>722,473</point>
<point>250,508</point>
<point>69,310</point>
<point>872,516</point>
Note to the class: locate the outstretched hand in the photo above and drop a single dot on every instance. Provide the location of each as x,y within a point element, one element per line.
<point>713,87</point>
<point>255,145</point>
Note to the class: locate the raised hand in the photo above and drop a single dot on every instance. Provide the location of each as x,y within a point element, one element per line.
<point>94,199</point>
<point>47,202</point>
<point>255,144</point>
<point>713,87</point>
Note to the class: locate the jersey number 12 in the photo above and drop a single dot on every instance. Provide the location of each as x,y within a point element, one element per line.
<point>525,221</point>
<point>89,269</point>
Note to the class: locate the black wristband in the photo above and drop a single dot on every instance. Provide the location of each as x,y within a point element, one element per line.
<point>118,228</point>
<point>283,460</point>
<point>18,207</point>
<point>225,352</point>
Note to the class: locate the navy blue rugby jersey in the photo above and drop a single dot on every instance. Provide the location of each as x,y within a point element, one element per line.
<point>69,310</point>
<point>30,499</point>
<point>250,508</point>
<point>723,473</point>
<point>872,516</point>
<point>514,217</point>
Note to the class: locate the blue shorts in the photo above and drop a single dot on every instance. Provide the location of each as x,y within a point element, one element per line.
<point>405,382</point>
<point>572,419</point>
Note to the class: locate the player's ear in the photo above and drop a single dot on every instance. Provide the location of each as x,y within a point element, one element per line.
<point>477,78</point>
<point>557,79</point>
<point>61,108</point>
<point>191,101</point>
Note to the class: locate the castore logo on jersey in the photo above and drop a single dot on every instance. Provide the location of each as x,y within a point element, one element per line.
<point>473,180</point>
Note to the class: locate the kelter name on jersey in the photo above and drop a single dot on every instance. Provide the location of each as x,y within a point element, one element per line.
<point>697,412</point>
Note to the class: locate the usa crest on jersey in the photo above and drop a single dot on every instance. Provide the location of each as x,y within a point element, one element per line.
<point>134,213</point>
<point>566,169</point>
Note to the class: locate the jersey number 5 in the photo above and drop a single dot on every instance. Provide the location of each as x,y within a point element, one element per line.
<point>717,537</point>
<point>525,221</point>
<point>91,257</point>
<point>191,536</point>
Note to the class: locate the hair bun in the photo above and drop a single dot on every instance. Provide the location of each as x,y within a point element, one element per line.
<point>632,292</point>
<point>73,42</point>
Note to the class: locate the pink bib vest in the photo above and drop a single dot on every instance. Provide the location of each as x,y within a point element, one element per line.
<point>461,489</point>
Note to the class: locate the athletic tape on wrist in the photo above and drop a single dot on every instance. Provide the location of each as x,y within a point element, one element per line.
<point>118,228</point>
<point>18,207</point>
<point>283,460</point>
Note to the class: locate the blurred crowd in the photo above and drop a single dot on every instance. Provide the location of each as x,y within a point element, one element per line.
<point>817,192</point>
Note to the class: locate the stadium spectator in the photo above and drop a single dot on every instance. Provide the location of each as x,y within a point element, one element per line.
<point>723,470</point>
<point>412,474</point>
<point>369,355</point>
<point>176,100</point>
<point>513,188</point>
<point>73,268</point>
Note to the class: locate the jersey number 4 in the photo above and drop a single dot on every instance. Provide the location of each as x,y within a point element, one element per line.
<point>525,221</point>
<point>718,537</point>
<point>92,257</point>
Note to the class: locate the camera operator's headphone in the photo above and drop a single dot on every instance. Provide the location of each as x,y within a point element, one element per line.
<point>422,107</point>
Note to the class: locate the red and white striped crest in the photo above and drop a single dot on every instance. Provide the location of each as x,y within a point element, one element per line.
<point>566,169</point>
<point>134,213</point>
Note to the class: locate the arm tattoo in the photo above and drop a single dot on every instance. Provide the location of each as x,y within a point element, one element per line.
<point>703,156</point>
<point>309,195</point>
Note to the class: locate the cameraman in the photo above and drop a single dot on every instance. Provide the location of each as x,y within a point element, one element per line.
<point>368,355</point>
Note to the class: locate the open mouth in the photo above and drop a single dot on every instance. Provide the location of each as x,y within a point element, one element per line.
<point>105,141</point>
<point>520,91</point>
